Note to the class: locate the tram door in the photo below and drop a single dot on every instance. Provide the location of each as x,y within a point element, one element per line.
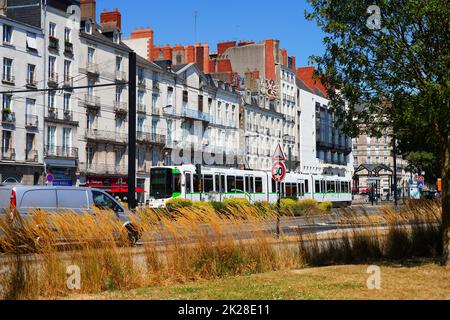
<point>220,185</point>
<point>301,188</point>
<point>188,186</point>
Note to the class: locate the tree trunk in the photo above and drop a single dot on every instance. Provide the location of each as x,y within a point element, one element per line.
<point>446,203</point>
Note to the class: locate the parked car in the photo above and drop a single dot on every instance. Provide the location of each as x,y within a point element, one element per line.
<point>26,199</point>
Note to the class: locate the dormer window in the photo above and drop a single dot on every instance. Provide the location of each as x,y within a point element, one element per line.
<point>116,37</point>
<point>88,27</point>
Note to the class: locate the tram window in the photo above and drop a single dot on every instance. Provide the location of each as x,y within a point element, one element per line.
<point>188,183</point>
<point>208,183</point>
<point>252,185</point>
<point>306,187</point>
<point>231,183</point>
<point>300,190</point>
<point>247,184</point>
<point>239,184</point>
<point>177,183</point>
<point>338,186</point>
<point>317,186</point>
<point>258,185</point>
<point>294,190</point>
<point>323,186</point>
<point>222,185</point>
<point>274,186</point>
<point>288,190</point>
<point>217,179</point>
<point>196,183</point>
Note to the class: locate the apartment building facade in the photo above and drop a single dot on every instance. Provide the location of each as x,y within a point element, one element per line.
<point>103,134</point>
<point>325,150</point>
<point>375,154</point>
<point>21,119</point>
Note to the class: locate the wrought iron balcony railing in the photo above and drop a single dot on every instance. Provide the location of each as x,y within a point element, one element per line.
<point>8,154</point>
<point>60,152</point>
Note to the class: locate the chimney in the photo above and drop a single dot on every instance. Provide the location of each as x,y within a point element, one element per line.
<point>88,9</point>
<point>113,17</point>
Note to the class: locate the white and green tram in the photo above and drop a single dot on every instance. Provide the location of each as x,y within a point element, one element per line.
<point>217,184</point>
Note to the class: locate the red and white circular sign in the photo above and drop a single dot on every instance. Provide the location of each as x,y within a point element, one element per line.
<point>279,171</point>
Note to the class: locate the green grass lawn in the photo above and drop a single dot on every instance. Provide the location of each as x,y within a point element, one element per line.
<point>425,280</point>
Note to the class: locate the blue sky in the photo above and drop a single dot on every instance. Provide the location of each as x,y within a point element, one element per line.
<point>173,22</point>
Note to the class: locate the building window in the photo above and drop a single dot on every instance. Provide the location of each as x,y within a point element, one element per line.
<point>67,64</point>
<point>7,98</point>
<point>51,139</point>
<point>169,96</point>
<point>118,158</point>
<point>51,99</point>
<point>91,54</point>
<point>52,68</point>
<point>116,37</point>
<point>67,139</point>
<point>52,29</point>
<point>30,106</point>
<point>88,27</point>
<point>31,42</point>
<point>7,70</point>
<point>31,74</point>
<point>118,64</point>
<point>67,98</point>
<point>89,156</point>
<point>7,34</point>
<point>67,34</point>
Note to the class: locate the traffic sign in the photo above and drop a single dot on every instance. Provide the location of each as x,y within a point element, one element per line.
<point>420,184</point>
<point>279,154</point>
<point>278,171</point>
<point>50,177</point>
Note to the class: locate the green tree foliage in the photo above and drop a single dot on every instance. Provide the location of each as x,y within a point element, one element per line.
<point>399,72</point>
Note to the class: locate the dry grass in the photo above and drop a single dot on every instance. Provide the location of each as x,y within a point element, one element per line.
<point>191,244</point>
<point>423,280</point>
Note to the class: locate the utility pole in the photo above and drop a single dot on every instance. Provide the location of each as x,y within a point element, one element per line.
<point>132,131</point>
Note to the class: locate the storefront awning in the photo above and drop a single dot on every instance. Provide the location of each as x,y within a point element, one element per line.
<point>61,163</point>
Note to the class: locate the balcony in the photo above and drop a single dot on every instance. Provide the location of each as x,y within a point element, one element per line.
<point>53,80</point>
<point>92,69</point>
<point>120,108</point>
<point>106,136</point>
<point>52,114</point>
<point>31,121</point>
<point>31,155</point>
<point>104,169</point>
<point>8,78</point>
<point>31,84</point>
<point>196,115</point>
<point>68,82</point>
<point>145,137</point>
<point>289,139</point>
<point>142,83</point>
<point>92,102</point>
<point>142,168</point>
<point>53,43</point>
<point>60,152</point>
<point>141,108</point>
<point>121,76</point>
<point>66,117</point>
<point>155,111</point>
<point>8,154</point>
<point>288,118</point>
<point>68,48</point>
<point>8,117</point>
